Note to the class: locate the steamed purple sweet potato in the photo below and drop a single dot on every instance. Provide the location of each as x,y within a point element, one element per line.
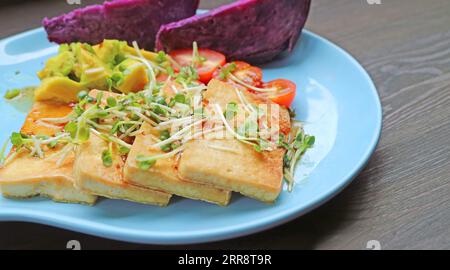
<point>127,20</point>
<point>252,30</point>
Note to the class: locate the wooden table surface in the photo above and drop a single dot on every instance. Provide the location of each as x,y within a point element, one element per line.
<point>402,198</point>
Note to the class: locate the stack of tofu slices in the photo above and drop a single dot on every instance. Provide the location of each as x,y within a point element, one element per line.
<point>208,168</point>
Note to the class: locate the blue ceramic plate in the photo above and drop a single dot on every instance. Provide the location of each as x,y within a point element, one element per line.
<point>336,100</point>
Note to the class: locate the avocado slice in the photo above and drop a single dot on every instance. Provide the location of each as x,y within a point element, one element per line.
<point>110,65</point>
<point>111,52</point>
<point>132,76</point>
<point>60,89</point>
<point>90,69</point>
<point>60,65</point>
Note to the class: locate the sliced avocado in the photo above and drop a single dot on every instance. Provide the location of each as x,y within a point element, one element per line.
<point>60,89</point>
<point>130,76</point>
<point>111,64</point>
<point>59,65</point>
<point>111,52</point>
<point>90,69</point>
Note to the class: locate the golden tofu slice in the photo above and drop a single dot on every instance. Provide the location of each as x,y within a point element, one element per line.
<point>25,176</point>
<point>253,174</point>
<point>29,176</point>
<point>230,164</point>
<point>163,175</point>
<point>93,176</point>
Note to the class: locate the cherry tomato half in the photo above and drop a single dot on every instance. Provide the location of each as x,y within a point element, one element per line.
<point>212,61</point>
<point>249,74</point>
<point>285,93</point>
<point>244,72</point>
<point>162,77</point>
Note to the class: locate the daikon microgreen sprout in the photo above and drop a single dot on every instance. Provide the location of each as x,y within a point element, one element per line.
<point>161,100</point>
<point>110,138</point>
<point>197,59</point>
<point>71,127</point>
<point>109,84</point>
<point>124,150</point>
<point>164,135</point>
<point>2,153</point>
<point>146,162</point>
<point>248,106</point>
<point>34,143</point>
<point>82,95</point>
<point>152,76</point>
<point>257,89</point>
<point>111,101</point>
<point>231,110</point>
<point>300,143</point>
<point>16,139</point>
<point>225,71</point>
<point>161,109</point>
<point>161,57</point>
<point>282,142</point>
<point>187,75</point>
<point>107,158</point>
<point>117,79</point>
<point>166,148</point>
<point>180,98</point>
<point>12,93</point>
<point>170,71</point>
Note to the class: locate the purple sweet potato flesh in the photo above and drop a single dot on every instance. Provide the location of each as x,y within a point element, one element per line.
<point>127,20</point>
<point>251,30</point>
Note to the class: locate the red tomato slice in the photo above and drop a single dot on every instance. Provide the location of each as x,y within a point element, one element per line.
<point>245,72</point>
<point>249,74</point>
<point>240,65</point>
<point>213,60</point>
<point>285,93</point>
<point>162,77</point>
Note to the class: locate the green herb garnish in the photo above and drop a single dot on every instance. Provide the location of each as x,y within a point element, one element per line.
<point>71,127</point>
<point>17,139</point>
<point>161,57</point>
<point>10,94</point>
<point>187,75</point>
<point>231,110</point>
<point>197,59</point>
<point>166,148</point>
<point>180,98</point>
<point>144,163</point>
<point>124,150</point>
<point>164,135</point>
<point>107,156</point>
<point>2,152</point>
<point>117,78</point>
<point>82,95</point>
<point>112,102</point>
<point>297,148</point>
<point>225,71</point>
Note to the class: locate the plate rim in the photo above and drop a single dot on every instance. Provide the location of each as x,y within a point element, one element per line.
<point>217,234</point>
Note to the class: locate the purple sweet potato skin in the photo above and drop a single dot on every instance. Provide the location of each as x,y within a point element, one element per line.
<point>127,20</point>
<point>255,31</point>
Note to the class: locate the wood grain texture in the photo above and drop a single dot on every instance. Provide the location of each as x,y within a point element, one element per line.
<point>402,198</point>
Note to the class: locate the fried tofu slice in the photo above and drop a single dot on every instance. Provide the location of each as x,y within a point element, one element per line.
<point>29,176</point>
<point>26,176</point>
<point>244,170</point>
<point>163,175</point>
<point>93,176</point>
<point>253,174</point>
